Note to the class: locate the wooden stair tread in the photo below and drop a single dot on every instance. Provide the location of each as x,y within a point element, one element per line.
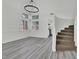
<point>65,36</point>
<point>65,46</point>
<point>64,40</point>
<point>65,33</point>
<point>72,29</point>
<point>69,28</point>
<point>65,43</point>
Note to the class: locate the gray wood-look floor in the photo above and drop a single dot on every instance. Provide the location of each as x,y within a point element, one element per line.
<point>34,48</point>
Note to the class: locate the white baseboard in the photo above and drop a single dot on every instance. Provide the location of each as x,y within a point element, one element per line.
<point>13,39</point>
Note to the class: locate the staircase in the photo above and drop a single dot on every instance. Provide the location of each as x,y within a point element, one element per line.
<point>65,39</point>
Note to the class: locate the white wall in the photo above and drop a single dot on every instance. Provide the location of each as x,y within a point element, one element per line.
<point>45,8</point>
<point>12,30</point>
<point>12,10</point>
<point>61,23</point>
<point>65,11</point>
<point>64,8</point>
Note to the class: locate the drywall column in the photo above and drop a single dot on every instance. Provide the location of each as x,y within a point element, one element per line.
<point>52,26</point>
<point>54,35</point>
<point>75,31</point>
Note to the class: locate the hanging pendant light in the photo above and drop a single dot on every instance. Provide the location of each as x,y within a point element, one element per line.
<point>31,8</point>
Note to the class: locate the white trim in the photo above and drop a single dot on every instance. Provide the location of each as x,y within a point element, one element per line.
<point>18,38</point>
<point>64,17</point>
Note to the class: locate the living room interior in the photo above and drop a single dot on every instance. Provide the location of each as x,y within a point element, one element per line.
<point>39,29</point>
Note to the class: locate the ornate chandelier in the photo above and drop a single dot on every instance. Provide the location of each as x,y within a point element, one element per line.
<point>31,8</point>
